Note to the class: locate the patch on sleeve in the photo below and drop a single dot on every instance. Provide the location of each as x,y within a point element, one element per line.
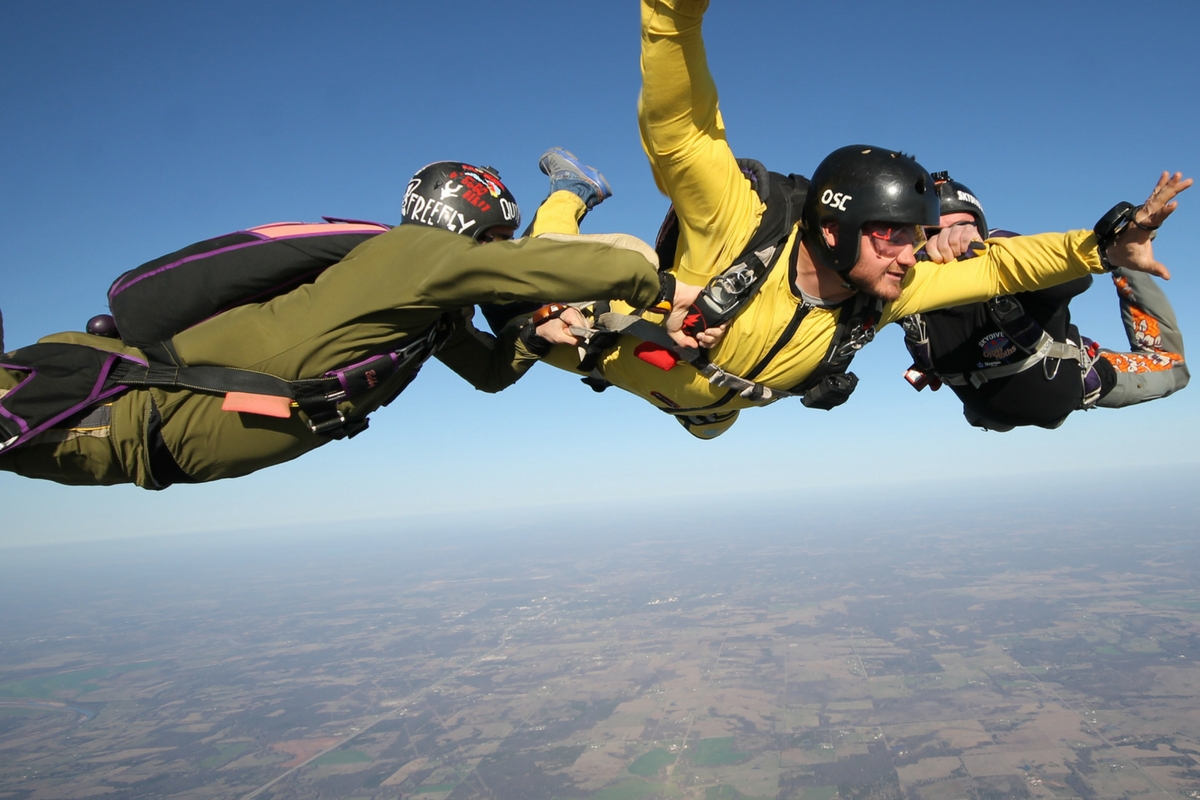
<point>1155,361</point>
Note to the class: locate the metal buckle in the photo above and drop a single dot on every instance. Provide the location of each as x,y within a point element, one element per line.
<point>329,423</point>
<point>732,285</point>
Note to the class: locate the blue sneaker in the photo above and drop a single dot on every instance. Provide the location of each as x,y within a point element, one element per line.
<point>570,174</point>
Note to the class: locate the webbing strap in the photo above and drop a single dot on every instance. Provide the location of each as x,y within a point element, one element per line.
<point>647,331</point>
<point>746,388</point>
<point>1046,348</point>
<point>215,380</point>
<point>318,398</point>
<point>1092,385</point>
<point>630,325</point>
<point>1021,328</point>
<point>916,339</point>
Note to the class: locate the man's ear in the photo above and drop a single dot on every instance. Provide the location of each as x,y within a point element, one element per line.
<point>830,229</point>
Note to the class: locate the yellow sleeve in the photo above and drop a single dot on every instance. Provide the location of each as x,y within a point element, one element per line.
<point>684,138</point>
<point>1006,266</point>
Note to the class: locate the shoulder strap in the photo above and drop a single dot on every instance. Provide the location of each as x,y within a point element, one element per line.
<point>728,293</point>
<point>1021,328</point>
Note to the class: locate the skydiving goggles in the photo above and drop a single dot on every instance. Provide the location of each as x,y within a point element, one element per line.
<point>890,239</point>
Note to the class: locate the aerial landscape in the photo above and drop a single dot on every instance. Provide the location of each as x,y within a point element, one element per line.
<point>808,579</point>
<point>921,660</point>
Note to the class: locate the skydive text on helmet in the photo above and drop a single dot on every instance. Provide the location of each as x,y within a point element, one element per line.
<point>967,197</point>
<point>836,199</point>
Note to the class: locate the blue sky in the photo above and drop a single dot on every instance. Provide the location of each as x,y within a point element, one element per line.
<point>133,128</point>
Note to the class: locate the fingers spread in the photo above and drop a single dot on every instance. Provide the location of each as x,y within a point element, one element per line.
<point>1161,202</point>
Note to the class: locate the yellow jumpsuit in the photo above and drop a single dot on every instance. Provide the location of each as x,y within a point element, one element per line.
<point>684,137</point>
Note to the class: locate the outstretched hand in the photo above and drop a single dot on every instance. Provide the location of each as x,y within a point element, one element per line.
<point>1134,247</point>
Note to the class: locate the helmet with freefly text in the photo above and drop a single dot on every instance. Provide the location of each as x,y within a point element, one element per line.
<point>956,198</point>
<point>460,198</point>
<point>858,184</point>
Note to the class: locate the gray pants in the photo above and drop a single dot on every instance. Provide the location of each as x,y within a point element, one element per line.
<point>1155,366</point>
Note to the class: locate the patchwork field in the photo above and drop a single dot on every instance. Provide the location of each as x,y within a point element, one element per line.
<point>929,666</point>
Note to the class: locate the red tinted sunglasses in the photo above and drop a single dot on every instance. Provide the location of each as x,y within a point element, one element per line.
<point>889,240</point>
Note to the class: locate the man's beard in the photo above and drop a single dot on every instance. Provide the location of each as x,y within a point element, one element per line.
<point>881,287</point>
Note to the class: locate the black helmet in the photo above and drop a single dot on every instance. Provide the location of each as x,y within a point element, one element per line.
<point>460,198</point>
<point>955,198</point>
<point>859,184</point>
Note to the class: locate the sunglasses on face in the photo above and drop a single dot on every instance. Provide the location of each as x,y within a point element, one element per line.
<point>889,240</point>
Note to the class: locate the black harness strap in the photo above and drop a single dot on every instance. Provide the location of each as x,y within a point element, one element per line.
<point>318,398</point>
<point>62,381</point>
<point>831,384</point>
<point>1021,329</point>
<point>728,293</point>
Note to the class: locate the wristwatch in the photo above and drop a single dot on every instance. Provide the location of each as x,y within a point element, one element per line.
<point>1111,225</point>
<point>548,311</point>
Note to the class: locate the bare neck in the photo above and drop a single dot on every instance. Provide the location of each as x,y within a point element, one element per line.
<point>818,281</point>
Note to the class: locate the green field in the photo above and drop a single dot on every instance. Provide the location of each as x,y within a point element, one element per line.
<point>716,752</point>
<point>649,764</point>
<point>441,787</point>
<point>1174,602</point>
<point>728,793</point>
<point>225,754</point>
<point>634,789</point>
<point>343,757</point>
<point>75,682</point>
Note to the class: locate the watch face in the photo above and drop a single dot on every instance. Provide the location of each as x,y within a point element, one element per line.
<point>1123,222</point>
<point>1116,220</point>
